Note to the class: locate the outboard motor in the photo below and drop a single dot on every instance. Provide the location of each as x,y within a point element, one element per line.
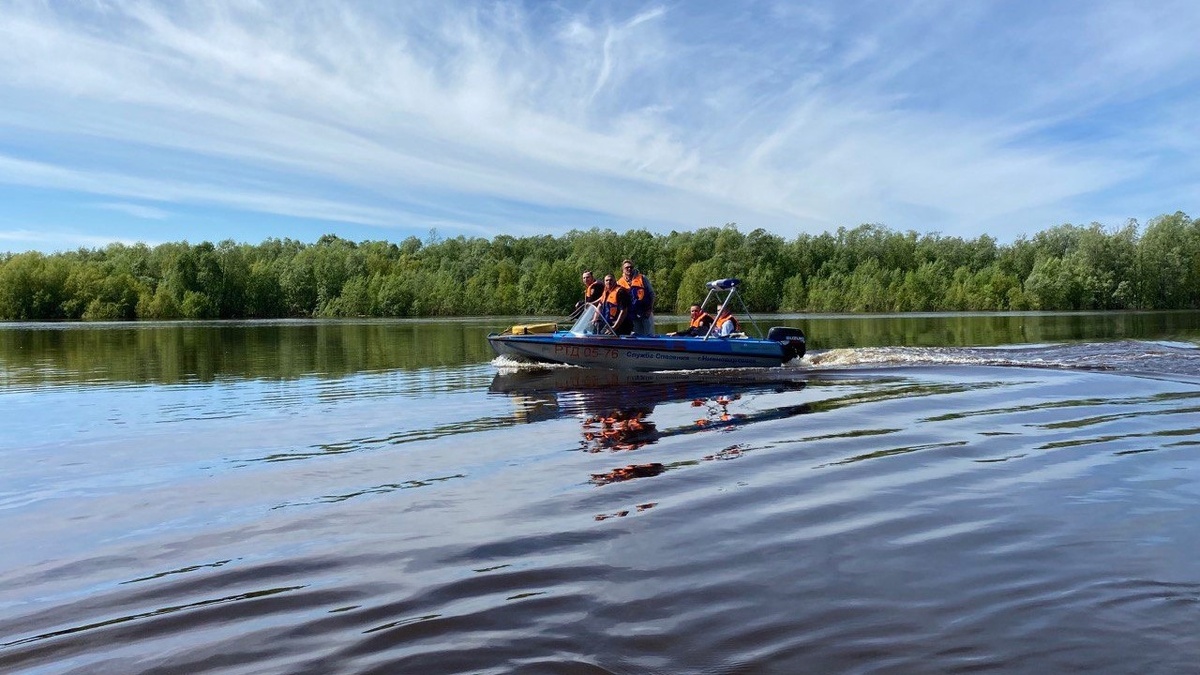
<point>792,340</point>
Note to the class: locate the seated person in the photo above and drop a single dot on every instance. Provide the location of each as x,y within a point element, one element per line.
<point>701,320</point>
<point>726,324</point>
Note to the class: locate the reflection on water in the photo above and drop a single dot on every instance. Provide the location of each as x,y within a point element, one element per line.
<point>616,411</point>
<point>183,352</point>
<point>621,429</point>
<point>1021,508</point>
<point>619,402</point>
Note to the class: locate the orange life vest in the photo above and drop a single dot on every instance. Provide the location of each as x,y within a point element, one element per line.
<point>636,285</point>
<point>594,291</point>
<point>699,321</point>
<point>736,326</point>
<point>609,306</point>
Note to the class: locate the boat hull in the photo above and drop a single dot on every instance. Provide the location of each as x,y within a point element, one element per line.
<point>640,353</point>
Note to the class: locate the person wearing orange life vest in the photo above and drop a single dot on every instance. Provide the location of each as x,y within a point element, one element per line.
<point>700,323</point>
<point>592,290</point>
<point>614,309</point>
<point>726,325</point>
<point>641,298</point>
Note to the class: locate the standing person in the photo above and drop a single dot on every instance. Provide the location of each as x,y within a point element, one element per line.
<point>700,323</point>
<point>592,290</point>
<point>641,298</point>
<point>726,324</point>
<point>614,308</point>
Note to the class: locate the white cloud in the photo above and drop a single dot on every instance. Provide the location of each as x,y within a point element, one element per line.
<point>135,210</point>
<point>60,239</point>
<point>931,116</point>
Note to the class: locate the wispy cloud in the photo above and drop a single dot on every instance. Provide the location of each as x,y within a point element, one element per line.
<point>60,239</point>
<point>135,210</point>
<point>489,117</point>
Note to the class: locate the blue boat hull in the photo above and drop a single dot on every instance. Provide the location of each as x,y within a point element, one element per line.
<point>640,353</point>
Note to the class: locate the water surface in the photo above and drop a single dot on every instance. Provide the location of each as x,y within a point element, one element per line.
<point>921,494</point>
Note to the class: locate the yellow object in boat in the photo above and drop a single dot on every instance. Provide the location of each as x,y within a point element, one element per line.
<point>530,328</point>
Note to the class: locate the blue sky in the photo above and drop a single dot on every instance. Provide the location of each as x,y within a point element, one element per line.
<point>163,121</point>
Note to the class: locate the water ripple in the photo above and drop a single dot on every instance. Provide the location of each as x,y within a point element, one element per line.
<point>892,517</point>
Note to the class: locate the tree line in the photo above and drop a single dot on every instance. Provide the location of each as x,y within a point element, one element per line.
<point>869,268</point>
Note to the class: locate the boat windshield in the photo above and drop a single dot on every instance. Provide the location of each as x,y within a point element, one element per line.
<point>584,325</point>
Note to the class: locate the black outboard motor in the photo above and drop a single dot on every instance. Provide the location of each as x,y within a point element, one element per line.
<point>792,340</point>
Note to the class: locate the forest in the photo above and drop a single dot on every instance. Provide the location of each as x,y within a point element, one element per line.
<point>868,268</point>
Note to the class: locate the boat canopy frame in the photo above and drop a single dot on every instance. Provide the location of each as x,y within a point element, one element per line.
<point>730,288</point>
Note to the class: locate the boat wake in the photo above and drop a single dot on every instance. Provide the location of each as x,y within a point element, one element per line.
<point>507,364</point>
<point>1131,356</point>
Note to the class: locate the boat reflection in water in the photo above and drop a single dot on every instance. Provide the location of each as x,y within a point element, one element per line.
<point>616,409</point>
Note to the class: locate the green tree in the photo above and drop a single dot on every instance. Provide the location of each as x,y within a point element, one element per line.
<point>1168,256</point>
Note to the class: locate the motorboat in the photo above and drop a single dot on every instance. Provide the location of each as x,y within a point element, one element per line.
<point>591,343</point>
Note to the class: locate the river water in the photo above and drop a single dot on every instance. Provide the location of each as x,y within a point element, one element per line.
<point>923,493</point>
